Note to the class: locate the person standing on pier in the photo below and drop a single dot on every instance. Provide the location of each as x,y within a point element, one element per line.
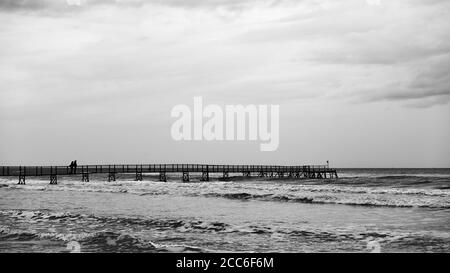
<point>75,166</point>
<point>71,167</point>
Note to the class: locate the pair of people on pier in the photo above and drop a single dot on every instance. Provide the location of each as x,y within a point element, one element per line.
<point>73,166</point>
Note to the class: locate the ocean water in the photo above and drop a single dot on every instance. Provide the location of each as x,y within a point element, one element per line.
<point>386,210</point>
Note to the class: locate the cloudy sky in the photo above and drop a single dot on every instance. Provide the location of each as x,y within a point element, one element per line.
<point>362,83</point>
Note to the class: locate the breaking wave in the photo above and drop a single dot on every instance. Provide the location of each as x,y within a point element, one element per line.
<point>356,200</point>
<point>114,237</point>
<point>100,241</point>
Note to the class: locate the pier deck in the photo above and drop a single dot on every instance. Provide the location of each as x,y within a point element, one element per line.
<point>306,171</point>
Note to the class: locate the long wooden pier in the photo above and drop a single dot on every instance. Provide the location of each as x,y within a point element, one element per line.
<point>300,172</point>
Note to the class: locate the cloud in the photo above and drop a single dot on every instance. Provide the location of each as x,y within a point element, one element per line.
<point>68,5</point>
<point>395,94</point>
<point>429,85</point>
<point>272,50</point>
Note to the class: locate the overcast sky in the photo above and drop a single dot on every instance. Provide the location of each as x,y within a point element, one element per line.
<point>360,83</point>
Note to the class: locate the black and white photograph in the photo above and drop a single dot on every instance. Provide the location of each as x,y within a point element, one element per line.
<point>202,127</point>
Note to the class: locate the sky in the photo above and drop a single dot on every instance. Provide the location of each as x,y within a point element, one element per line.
<point>361,83</point>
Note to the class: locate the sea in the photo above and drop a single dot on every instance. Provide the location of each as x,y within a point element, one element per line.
<point>365,210</point>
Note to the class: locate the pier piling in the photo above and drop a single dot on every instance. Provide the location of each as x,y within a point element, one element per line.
<point>85,177</point>
<point>205,176</point>
<point>21,179</point>
<point>138,176</point>
<point>185,177</point>
<point>162,177</point>
<point>111,176</point>
<point>22,172</point>
<point>53,179</point>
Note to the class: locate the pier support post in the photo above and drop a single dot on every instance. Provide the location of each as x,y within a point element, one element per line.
<point>205,176</point>
<point>53,179</point>
<point>138,176</point>
<point>185,177</point>
<point>162,177</point>
<point>21,179</point>
<point>111,176</point>
<point>22,172</point>
<point>85,177</point>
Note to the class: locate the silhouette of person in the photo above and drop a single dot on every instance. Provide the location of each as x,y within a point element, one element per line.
<point>75,166</point>
<point>71,167</point>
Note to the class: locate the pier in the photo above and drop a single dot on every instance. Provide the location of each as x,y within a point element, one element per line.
<point>185,170</point>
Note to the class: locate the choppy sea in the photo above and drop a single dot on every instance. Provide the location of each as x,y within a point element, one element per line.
<point>386,210</point>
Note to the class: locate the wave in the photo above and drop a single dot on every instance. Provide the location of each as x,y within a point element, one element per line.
<point>179,225</point>
<point>407,180</point>
<point>159,224</point>
<point>107,239</point>
<point>112,242</point>
<point>376,190</point>
<point>100,242</point>
<point>62,217</point>
<point>327,200</point>
<point>399,177</point>
<point>121,234</point>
